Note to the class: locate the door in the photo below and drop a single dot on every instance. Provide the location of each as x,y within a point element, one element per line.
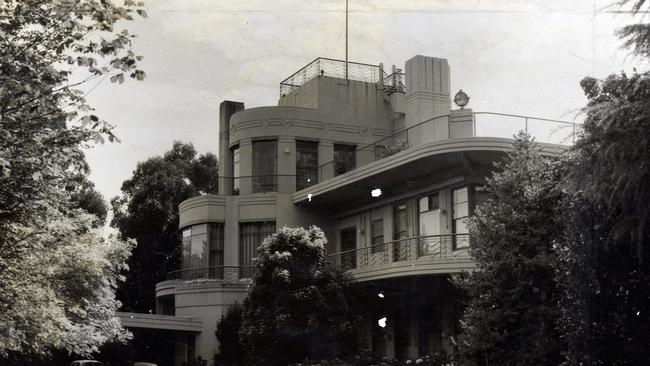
<point>348,248</point>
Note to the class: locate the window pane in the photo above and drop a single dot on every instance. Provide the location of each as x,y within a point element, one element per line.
<point>344,158</point>
<point>461,205</point>
<point>434,202</point>
<point>235,169</point>
<point>424,204</point>
<point>348,244</point>
<point>251,235</point>
<point>306,164</point>
<point>265,166</point>
<point>187,249</point>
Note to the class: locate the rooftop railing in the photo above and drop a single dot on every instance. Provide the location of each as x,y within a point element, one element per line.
<point>333,68</point>
<point>402,250</point>
<point>225,274</point>
<point>486,124</point>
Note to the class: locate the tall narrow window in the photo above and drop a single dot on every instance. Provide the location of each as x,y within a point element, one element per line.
<point>348,246</point>
<point>429,218</point>
<point>306,164</point>
<point>235,170</point>
<point>344,158</point>
<point>215,259</point>
<point>377,228</point>
<point>265,166</point>
<point>400,232</point>
<point>251,235</point>
<point>460,206</point>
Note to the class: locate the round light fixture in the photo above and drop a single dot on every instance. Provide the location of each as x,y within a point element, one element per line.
<point>375,192</point>
<point>461,99</point>
<point>382,322</point>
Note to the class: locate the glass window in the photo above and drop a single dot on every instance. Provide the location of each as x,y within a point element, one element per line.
<point>429,219</point>
<point>377,228</point>
<point>235,170</point>
<point>265,166</point>
<point>203,251</point>
<point>460,208</point>
<point>306,164</point>
<point>344,158</point>
<point>251,235</point>
<point>215,260</point>
<point>187,247</point>
<point>348,246</point>
<point>400,232</point>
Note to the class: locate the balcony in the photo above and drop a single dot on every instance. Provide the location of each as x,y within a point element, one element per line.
<point>222,274</point>
<point>407,257</point>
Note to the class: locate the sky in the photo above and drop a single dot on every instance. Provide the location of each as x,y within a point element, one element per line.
<point>518,57</point>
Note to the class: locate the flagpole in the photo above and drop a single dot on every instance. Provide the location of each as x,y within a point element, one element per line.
<point>346,39</point>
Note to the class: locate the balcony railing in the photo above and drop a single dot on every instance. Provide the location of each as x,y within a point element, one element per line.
<point>226,274</point>
<point>402,250</point>
<point>280,183</point>
<point>486,124</point>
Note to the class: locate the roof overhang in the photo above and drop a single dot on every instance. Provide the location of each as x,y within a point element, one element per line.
<point>161,322</point>
<point>396,173</point>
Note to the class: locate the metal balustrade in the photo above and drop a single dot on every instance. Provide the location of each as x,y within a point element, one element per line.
<point>323,66</point>
<point>402,250</point>
<point>226,274</point>
<point>484,124</point>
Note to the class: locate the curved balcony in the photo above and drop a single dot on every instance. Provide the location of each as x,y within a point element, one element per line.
<point>407,257</point>
<point>223,274</point>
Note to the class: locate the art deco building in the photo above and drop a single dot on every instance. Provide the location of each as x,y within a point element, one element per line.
<point>380,162</point>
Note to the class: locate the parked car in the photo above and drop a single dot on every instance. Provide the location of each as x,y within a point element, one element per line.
<point>144,364</point>
<point>86,363</point>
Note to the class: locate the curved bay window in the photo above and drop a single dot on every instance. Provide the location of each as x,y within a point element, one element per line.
<point>203,251</point>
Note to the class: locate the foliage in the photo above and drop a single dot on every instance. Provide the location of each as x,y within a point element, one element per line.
<point>58,286</point>
<point>147,211</point>
<point>230,351</point>
<point>512,307</point>
<point>636,36</point>
<point>58,272</point>
<point>607,307</point>
<point>298,307</point>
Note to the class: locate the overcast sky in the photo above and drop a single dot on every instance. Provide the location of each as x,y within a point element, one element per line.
<point>520,57</point>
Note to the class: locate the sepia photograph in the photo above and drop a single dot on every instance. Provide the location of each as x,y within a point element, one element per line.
<point>324,183</point>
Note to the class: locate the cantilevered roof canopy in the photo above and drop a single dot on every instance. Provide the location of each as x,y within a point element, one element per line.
<point>408,170</point>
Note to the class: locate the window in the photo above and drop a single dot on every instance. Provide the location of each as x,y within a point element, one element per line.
<point>215,260</point>
<point>235,170</point>
<point>203,251</point>
<point>265,166</point>
<point>344,158</point>
<point>460,207</point>
<point>377,229</point>
<point>348,246</point>
<point>429,219</point>
<point>400,232</point>
<point>306,164</point>
<point>251,235</point>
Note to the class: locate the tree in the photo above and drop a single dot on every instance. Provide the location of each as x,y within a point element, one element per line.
<point>58,272</point>
<point>147,211</point>
<point>512,298</point>
<point>298,307</point>
<point>607,307</point>
<point>230,350</point>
